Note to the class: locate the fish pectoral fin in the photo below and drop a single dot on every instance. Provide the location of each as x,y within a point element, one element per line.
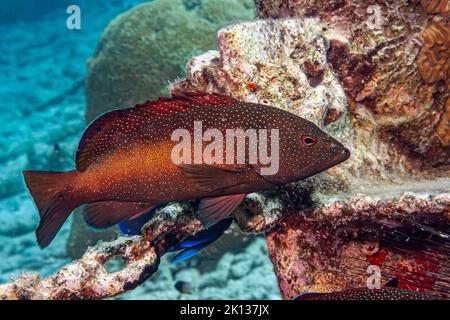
<point>213,178</point>
<point>213,210</point>
<point>104,214</point>
<point>193,243</point>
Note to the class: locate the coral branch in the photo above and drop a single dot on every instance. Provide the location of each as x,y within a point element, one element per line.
<point>88,278</point>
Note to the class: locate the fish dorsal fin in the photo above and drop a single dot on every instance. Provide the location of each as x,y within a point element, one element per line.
<point>106,134</point>
<point>105,214</point>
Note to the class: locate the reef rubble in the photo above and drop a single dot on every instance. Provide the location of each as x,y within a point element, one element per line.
<point>88,277</point>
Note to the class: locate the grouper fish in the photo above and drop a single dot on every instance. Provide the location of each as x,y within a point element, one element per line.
<point>369,294</point>
<point>128,161</point>
<point>390,291</point>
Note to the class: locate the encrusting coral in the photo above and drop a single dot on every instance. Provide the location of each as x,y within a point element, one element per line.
<point>334,246</point>
<point>375,60</point>
<point>433,61</point>
<point>350,67</point>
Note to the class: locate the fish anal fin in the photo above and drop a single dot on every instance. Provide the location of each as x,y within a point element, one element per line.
<point>104,214</point>
<point>140,213</point>
<point>213,210</point>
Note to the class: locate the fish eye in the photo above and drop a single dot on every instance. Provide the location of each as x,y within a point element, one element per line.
<point>308,140</point>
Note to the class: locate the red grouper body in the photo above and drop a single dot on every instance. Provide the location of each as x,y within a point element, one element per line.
<point>129,161</point>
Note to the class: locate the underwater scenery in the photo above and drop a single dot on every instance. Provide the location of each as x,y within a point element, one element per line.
<point>225,149</point>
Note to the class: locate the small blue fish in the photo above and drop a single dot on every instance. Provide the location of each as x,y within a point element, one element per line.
<point>190,246</point>
<point>133,227</point>
<point>194,244</point>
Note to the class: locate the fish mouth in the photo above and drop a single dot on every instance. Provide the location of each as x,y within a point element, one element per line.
<point>342,156</point>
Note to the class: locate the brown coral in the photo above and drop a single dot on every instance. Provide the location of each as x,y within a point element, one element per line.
<point>443,128</point>
<point>433,61</point>
<point>436,6</point>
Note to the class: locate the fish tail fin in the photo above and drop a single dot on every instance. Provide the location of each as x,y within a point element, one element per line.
<point>55,202</point>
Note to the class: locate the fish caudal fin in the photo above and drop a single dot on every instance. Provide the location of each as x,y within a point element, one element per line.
<point>51,193</point>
